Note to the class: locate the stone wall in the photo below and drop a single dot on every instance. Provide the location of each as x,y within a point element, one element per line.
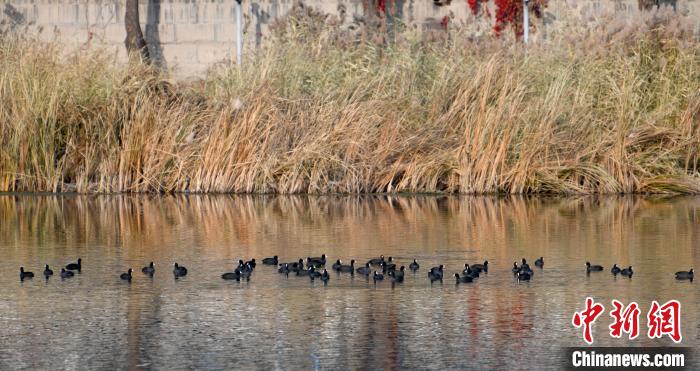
<point>188,36</point>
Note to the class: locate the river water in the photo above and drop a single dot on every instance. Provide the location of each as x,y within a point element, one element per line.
<point>97,321</point>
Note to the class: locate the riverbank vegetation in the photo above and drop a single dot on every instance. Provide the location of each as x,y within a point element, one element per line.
<point>324,108</point>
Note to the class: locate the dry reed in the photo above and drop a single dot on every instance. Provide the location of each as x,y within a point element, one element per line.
<point>325,110</point>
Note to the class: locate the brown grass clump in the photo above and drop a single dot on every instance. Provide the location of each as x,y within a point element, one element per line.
<point>325,109</point>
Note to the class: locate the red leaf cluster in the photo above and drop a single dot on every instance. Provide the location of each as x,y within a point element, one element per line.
<point>474,5</point>
<point>509,13</point>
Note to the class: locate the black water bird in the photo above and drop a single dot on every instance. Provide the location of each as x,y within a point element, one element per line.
<point>627,272</point>
<point>336,266</point>
<point>515,268</point>
<point>230,276</point>
<point>388,265</point>
<point>126,276</point>
<point>481,267</point>
<point>523,276</point>
<point>245,267</point>
<point>317,261</point>
<point>685,275</point>
<point>325,276</point>
<point>593,268</point>
<point>284,269</point>
<point>251,263</point>
<point>297,266</point>
<point>463,279</point>
<point>365,271</point>
<point>525,268</point>
<point>149,270</point>
<point>66,274</point>
<point>347,268</point>
<point>179,271</point>
<point>24,274</point>
<point>397,276</point>
<point>435,273</point>
<point>270,261</point>
<point>376,261</point>
<point>377,276</point>
<point>314,273</point>
<point>414,266</point>
<point>539,262</point>
<point>245,274</point>
<point>75,266</point>
<point>615,269</point>
<point>468,271</point>
<point>47,271</point>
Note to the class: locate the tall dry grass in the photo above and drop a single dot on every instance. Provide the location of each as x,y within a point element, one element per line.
<point>327,109</point>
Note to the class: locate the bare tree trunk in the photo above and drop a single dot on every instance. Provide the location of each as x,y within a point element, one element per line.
<point>134,42</point>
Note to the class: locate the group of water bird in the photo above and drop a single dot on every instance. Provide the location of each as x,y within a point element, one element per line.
<point>377,268</point>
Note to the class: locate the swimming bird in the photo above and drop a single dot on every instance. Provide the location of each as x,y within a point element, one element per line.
<point>245,274</point>
<point>515,268</point>
<point>314,273</point>
<point>24,274</point>
<point>284,269</point>
<point>336,265</point>
<point>66,274</point>
<point>149,270</point>
<point>377,276</point>
<point>270,261</point>
<point>388,265</point>
<point>317,261</point>
<point>75,266</point>
<point>685,275</point>
<point>481,267</point>
<point>297,266</point>
<point>468,271</point>
<point>244,266</point>
<point>539,262</point>
<point>126,276</point>
<point>463,279</point>
<point>325,276</point>
<point>414,266</point>
<point>230,276</point>
<point>397,276</point>
<point>251,263</point>
<point>615,269</point>
<point>435,273</point>
<point>523,276</point>
<point>179,271</point>
<point>347,268</point>
<point>47,271</point>
<point>593,268</point>
<point>366,270</point>
<point>525,268</point>
<point>376,261</point>
<point>627,272</point>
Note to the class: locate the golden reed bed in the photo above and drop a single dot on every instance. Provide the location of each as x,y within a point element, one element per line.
<point>322,110</point>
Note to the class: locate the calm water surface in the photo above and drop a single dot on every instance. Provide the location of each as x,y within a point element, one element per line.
<point>96,321</point>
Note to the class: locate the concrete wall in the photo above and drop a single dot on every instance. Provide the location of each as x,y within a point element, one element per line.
<point>188,36</point>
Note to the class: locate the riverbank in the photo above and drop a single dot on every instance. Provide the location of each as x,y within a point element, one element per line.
<point>321,112</point>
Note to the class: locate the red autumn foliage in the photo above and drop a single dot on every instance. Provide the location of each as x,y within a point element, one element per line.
<point>509,13</point>
<point>381,6</point>
<point>474,5</point>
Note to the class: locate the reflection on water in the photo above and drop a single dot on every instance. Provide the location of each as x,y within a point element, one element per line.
<point>96,321</point>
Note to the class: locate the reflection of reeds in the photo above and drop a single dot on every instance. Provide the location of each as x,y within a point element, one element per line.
<point>258,225</point>
<point>313,115</point>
